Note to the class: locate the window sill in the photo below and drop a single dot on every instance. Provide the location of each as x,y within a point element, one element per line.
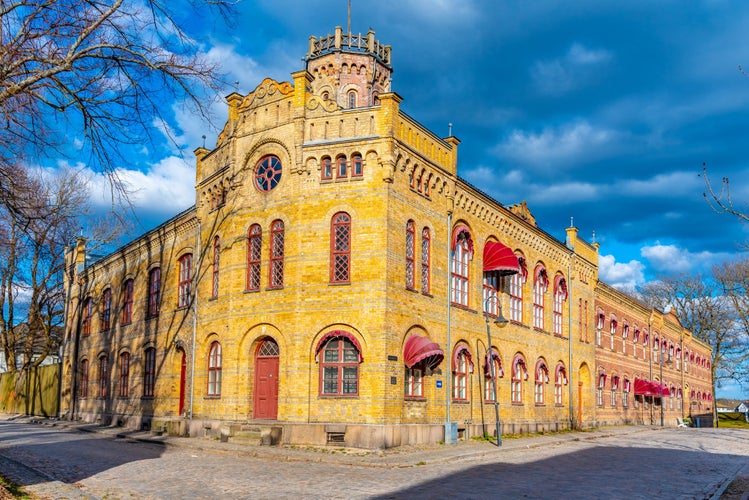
<point>461,401</point>
<point>252,290</point>
<point>516,403</point>
<point>274,288</point>
<point>427,294</point>
<point>410,289</point>
<point>152,316</point>
<point>339,283</point>
<point>337,396</point>
<point>181,308</point>
<point>213,396</point>
<point>147,398</point>
<point>416,399</point>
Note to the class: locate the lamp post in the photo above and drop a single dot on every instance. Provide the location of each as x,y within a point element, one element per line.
<point>501,321</point>
<point>668,362</point>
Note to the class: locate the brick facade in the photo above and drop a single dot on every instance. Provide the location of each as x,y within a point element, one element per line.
<point>311,219</point>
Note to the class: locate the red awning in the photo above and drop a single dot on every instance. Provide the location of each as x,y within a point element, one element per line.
<point>419,349</point>
<point>500,258</point>
<point>643,387</point>
<point>338,334</point>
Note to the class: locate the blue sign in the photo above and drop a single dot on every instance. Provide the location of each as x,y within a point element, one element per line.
<point>439,384</point>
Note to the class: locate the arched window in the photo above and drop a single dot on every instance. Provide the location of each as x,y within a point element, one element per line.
<point>626,388</point>
<point>342,167</point>
<point>519,373</point>
<point>352,99</point>
<point>540,285</point>
<point>613,324</point>
<point>600,387</point>
<point>560,380</point>
<point>339,367</point>
<point>560,295</point>
<point>496,363</point>
<point>357,168</point>
<point>216,258</point>
<point>214,369</point>
<point>542,377</point>
<point>127,302</point>
<point>83,379</point>
<point>425,260</point>
<point>326,168</point>
<point>614,388</point>
<point>185,280</point>
<point>154,291</point>
<point>340,248</point>
<point>459,268</point>
<point>410,254</point>
<point>149,372</point>
<point>254,246</point>
<point>106,310</point>
<point>124,374</point>
<point>517,281</point>
<point>462,366</point>
<point>88,312</point>
<point>600,319</point>
<point>276,254</point>
<point>103,376</point>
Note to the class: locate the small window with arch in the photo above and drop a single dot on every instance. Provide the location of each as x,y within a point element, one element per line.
<point>326,168</point>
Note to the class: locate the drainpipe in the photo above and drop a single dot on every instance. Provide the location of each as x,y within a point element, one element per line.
<point>194,326</point>
<point>448,391</point>
<point>569,339</point>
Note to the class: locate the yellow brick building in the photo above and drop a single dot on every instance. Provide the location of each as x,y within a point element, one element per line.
<point>334,283</point>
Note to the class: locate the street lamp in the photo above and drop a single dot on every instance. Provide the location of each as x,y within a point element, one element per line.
<point>668,362</point>
<point>501,321</point>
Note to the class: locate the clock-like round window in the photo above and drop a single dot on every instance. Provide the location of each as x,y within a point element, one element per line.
<point>267,173</point>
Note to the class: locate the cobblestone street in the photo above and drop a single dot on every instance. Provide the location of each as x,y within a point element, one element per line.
<point>622,462</point>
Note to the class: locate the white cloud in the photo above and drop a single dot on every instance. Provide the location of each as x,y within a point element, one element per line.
<point>672,259</point>
<point>569,72</point>
<point>620,275</point>
<point>671,185</point>
<point>555,146</point>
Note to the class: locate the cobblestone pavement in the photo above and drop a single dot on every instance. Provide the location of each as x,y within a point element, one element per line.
<point>61,461</point>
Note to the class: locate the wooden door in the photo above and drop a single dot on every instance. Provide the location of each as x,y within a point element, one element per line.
<point>266,381</point>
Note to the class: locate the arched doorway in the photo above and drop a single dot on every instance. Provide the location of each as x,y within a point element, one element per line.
<point>182,378</point>
<point>265,405</point>
<point>583,383</point>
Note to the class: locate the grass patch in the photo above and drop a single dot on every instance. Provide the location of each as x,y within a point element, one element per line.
<point>14,490</point>
<point>733,420</point>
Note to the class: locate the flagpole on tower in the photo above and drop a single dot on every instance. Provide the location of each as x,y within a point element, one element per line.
<point>348,24</point>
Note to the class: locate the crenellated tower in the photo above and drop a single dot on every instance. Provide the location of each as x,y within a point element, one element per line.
<point>352,70</point>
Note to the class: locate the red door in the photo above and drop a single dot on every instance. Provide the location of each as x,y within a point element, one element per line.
<point>182,373</point>
<point>266,381</point>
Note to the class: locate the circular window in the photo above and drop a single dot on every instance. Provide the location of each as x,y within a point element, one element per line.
<point>267,173</point>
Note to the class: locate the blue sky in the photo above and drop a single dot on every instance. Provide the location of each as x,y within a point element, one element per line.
<point>599,110</point>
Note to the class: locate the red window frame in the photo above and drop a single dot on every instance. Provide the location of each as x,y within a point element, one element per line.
<point>489,395</point>
<point>414,381</point>
<point>357,166</point>
<point>518,372</point>
<point>149,372</point>
<point>517,281</point>
<point>276,265</point>
<point>214,369</point>
<point>127,302</point>
<point>124,374</point>
<point>339,368</point>
<point>558,310</point>
<point>426,255</point>
<point>154,291</point>
<point>540,285</point>
<point>340,248</point>
<point>184,286</point>
<point>459,270</point>
<point>542,377</point>
<point>410,255</point>
<point>83,386</point>
<point>88,312</point>
<point>460,375</point>
<point>559,383</point>
<point>254,249</point>
<point>106,310</point>
<point>216,267</point>
<point>341,167</point>
<point>103,376</point>
<point>326,168</point>
<point>490,287</point>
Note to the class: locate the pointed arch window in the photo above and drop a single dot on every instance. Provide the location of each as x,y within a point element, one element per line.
<point>103,376</point>
<point>83,379</point>
<point>276,254</point>
<point>254,247</point>
<point>519,374</point>
<point>560,296</point>
<point>149,372</point>
<point>459,267</point>
<point>124,374</point>
<point>462,366</point>
<point>560,380</point>
<point>410,255</point>
<point>216,257</point>
<point>214,369</point>
<point>540,285</point>
<point>154,291</point>
<point>106,310</point>
<point>127,302</point>
<point>185,280</point>
<point>493,358</point>
<point>542,378</point>
<point>340,248</point>
<point>517,281</point>
<point>425,260</point>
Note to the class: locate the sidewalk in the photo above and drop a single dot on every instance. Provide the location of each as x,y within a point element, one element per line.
<point>403,456</point>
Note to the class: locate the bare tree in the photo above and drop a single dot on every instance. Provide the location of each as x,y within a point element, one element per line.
<point>704,307</point>
<point>94,72</point>
<point>720,200</point>
<point>33,239</point>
